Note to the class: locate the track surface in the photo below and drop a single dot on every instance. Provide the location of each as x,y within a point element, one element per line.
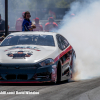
<point>48,91</point>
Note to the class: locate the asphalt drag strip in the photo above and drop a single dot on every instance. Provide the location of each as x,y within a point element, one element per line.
<point>74,90</point>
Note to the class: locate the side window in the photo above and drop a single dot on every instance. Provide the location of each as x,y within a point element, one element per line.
<point>59,42</point>
<point>62,42</point>
<point>65,41</point>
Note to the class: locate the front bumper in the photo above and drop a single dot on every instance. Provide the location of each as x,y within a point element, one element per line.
<point>35,74</point>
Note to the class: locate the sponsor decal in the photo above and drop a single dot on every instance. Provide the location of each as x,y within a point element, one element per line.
<point>19,54</point>
<point>63,53</point>
<point>19,47</point>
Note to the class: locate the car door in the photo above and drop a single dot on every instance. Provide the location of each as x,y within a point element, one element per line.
<point>66,56</point>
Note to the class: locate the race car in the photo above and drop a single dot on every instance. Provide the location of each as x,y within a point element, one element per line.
<point>35,57</point>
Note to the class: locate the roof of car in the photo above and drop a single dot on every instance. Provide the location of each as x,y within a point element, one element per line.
<point>34,32</point>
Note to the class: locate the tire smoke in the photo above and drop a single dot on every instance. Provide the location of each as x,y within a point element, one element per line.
<point>83,33</point>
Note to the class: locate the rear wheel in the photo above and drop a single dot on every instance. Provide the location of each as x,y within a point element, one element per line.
<point>70,75</point>
<point>71,68</point>
<point>73,64</point>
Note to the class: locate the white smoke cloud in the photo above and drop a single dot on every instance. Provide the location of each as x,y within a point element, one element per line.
<point>83,33</point>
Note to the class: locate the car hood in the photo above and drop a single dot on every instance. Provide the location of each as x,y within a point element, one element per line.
<point>26,54</point>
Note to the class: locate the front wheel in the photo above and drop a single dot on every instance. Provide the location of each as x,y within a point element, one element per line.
<point>56,74</point>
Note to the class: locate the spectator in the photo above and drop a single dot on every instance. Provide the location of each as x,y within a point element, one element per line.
<point>8,30</point>
<point>27,24</point>
<point>72,15</point>
<point>50,25</point>
<point>2,24</point>
<point>38,26</point>
<point>19,23</point>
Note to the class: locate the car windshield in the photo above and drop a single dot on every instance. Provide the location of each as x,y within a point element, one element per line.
<point>43,40</point>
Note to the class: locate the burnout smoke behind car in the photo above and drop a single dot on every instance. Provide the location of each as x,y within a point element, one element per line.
<point>83,32</point>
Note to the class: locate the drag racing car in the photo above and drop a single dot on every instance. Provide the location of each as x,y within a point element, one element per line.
<point>35,57</point>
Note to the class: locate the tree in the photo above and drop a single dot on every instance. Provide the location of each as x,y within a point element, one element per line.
<point>62,4</point>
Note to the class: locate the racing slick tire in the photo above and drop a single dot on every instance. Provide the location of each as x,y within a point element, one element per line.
<point>71,68</point>
<point>58,74</point>
<point>58,78</point>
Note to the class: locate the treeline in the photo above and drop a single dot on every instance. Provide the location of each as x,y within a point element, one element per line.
<point>33,4</point>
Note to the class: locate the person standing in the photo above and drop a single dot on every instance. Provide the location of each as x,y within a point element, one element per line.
<point>19,23</point>
<point>50,25</point>
<point>27,24</point>
<point>2,24</point>
<point>39,27</point>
